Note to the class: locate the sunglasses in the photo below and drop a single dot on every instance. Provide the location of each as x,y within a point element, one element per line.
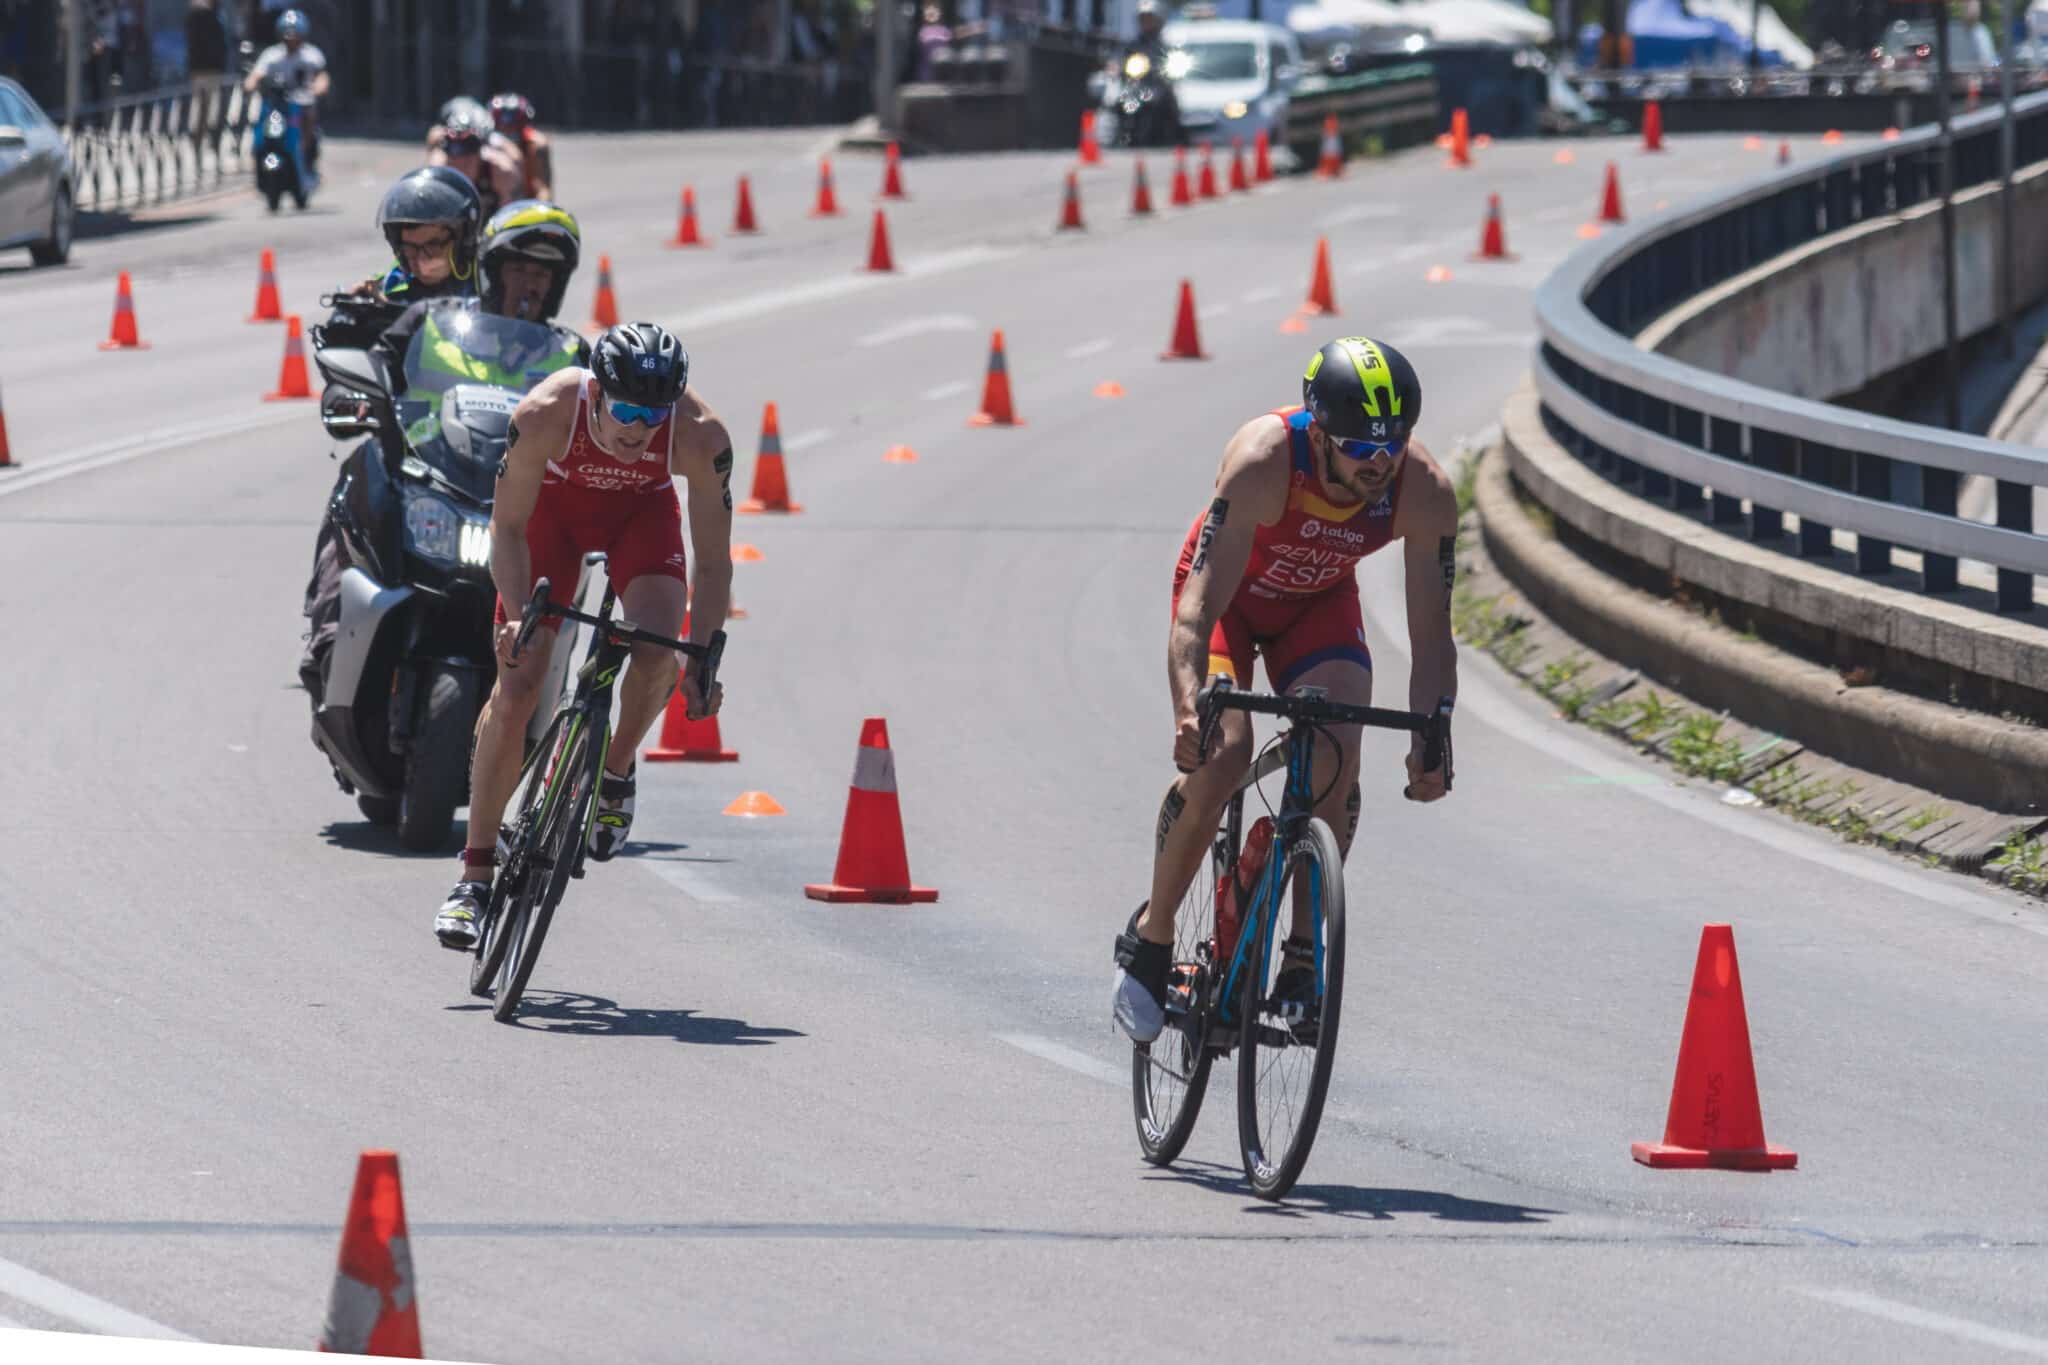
<point>1371,452</point>
<point>462,146</point>
<point>626,413</point>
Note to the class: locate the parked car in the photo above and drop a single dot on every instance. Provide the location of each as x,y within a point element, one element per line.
<point>1905,60</point>
<point>36,180</point>
<point>1233,78</point>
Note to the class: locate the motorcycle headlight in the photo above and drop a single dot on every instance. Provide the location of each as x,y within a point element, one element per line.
<point>1137,66</point>
<point>436,531</point>
<point>476,543</point>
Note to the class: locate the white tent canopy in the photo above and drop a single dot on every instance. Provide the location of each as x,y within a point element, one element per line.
<point>1330,16</point>
<point>1772,33</point>
<point>1478,21</point>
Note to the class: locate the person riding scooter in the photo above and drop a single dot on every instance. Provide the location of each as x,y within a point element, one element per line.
<point>302,69</point>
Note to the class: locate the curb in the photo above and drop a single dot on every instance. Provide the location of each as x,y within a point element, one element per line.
<point>1960,754</point>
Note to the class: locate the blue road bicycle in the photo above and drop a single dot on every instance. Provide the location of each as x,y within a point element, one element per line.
<point>1221,994</point>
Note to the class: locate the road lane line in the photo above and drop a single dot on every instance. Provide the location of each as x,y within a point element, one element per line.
<point>1258,295</point>
<point>771,301</point>
<point>1045,1049</point>
<point>1358,213</point>
<point>1960,1328</point>
<point>688,880</point>
<point>1214,310</point>
<point>110,453</point>
<point>952,390</point>
<point>804,440</point>
<point>917,327</point>
<point>1087,348</point>
<point>75,1305</point>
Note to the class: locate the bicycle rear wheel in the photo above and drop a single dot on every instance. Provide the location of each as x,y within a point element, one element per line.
<point>492,943</point>
<point>1170,1075</point>
<point>552,858</point>
<point>1284,1054</point>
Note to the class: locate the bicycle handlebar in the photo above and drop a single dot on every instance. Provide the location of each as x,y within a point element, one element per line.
<point>1219,695</point>
<point>539,608</point>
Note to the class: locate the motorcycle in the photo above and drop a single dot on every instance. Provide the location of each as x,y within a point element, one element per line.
<point>1141,105</point>
<point>413,659</point>
<point>279,155</point>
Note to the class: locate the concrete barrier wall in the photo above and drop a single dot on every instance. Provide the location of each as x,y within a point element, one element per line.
<point>1851,307</point>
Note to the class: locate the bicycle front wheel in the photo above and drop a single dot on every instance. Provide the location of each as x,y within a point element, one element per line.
<point>1289,1038</point>
<point>557,842</point>
<point>493,942</point>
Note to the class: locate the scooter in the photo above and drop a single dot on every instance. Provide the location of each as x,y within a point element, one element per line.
<point>278,150</point>
<point>413,656</point>
<point>1139,100</point>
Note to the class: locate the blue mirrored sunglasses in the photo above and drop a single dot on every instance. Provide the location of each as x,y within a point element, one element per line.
<point>1376,452</point>
<point>622,413</point>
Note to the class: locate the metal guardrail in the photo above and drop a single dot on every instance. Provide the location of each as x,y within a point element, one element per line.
<point>153,147</point>
<point>1397,102</point>
<point>1672,432</point>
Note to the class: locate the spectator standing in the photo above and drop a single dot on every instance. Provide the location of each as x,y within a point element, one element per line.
<point>206,59</point>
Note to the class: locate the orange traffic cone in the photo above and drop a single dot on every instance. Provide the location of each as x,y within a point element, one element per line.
<point>1784,153</point>
<point>880,262</point>
<point>292,381</point>
<point>688,741</point>
<point>1493,240</point>
<point>1752,143</point>
<point>1891,134</point>
<point>1141,192</point>
<point>1321,297</point>
<point>6,458</point>
<point>1831,136</point>
<point>1331,163</point>
<point>771,481</point>
<point>604,311</point>
<point>1262,157</point>
<point>686,226</point>
<point>1239,181</point>
<point>122,335</point>
<point>1205,187</point>
<point>1653,126</point>
<point>892,173</point>
<point>996,408</point>
<point>374,1309</point>
<point>828,202</point>
<point>743,215</point>
<point>1180,198</point>
<point>1091,151</point>
<point>1610,198</point>
<point>1187,342</point>
<point>1715,1119</point>
<point>1070,210</point>
<point>267,307</point>
<point>873,866</point>
<point>1461,140</point>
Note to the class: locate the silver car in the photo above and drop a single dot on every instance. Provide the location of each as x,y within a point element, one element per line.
<point>36,208</point>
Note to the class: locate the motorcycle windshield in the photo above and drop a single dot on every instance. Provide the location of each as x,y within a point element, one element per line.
<point>460,359</point>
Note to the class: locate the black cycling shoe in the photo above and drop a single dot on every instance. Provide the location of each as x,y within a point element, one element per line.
<point>1138,994</point>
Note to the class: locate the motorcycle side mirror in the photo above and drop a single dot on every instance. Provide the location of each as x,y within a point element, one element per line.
<point>353,369</point>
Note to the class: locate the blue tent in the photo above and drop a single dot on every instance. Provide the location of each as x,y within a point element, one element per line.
<point>1665,35</point>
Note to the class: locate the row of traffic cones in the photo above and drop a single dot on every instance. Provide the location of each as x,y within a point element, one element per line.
<point>1184,191</point>
<point>745,222</point>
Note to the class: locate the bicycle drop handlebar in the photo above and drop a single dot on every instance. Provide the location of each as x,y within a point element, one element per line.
<point>1219,695</point>
<point>539,608</point>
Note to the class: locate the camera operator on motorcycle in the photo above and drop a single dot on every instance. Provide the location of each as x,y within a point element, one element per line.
<point>1142,69</point>
<point>512,114</point>
<point>528,253</point>
<point>302,69</point>
<point>466,141</point>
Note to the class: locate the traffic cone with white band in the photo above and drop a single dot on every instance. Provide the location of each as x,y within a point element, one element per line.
<point>373,1310</point>
<point>873,866</point>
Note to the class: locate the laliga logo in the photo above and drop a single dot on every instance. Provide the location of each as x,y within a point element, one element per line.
<point>1311,528</point>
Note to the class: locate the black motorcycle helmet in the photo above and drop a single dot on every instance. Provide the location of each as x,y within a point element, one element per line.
<point>430,195</point>
<point>1358,389</point>
<point>536,231</point>
<point>512,113</point>
<point>641,362</point>
<point>465,131</point>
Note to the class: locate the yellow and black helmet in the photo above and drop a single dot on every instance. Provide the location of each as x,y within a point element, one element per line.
<point>533,230</point>
<point>1358,389</point>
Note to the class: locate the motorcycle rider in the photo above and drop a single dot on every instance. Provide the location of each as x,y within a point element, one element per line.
<point>302,69</point>
<point>431,217</point>
<point>1151,45</point>
<point>468,143</point>
<point>528,253</point>
<point>512,113</point>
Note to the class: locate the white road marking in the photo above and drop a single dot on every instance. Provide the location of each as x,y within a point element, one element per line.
<point>804,440</point>
<point>75,1305</point>
<point>1258,295</point>
<point>952,390</point>
<point>771,301</point>
<point>1552,215</point>
<point>1960,1328</point>
<point>109,453</point>
<point>1357,213</point>
<point>917,327</point>
<point>1087,348</point>
<point>689,880</point>
<point>1214,310</point>
<point>1060,1055</point>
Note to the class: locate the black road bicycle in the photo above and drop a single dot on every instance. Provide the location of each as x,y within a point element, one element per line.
<point>551,833</point>
<point>1220,1000</point>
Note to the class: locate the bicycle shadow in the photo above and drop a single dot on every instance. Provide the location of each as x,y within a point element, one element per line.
<point>593,1016</point>
<point>1351,1201</point>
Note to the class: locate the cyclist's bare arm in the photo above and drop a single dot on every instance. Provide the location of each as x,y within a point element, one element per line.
<point>1429,540</point>
<point>541,154</point>
<point>701,456</point>
<point>1251,491</point>
<point>540,428</point>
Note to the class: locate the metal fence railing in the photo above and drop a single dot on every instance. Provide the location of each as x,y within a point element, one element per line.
<point>1703,442</point>
<point>159,145</point>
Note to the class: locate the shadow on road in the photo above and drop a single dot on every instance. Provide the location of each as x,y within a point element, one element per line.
<point>1350,1201</point>
<point>360,836</point>
<point>594,1016</point>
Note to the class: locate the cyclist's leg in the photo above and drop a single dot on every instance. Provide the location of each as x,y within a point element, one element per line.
<point>1325,647</point>
<point>647,560</point>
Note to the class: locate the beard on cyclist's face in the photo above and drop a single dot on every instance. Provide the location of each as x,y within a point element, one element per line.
<point>525,286</point>
<point>1366,480</point>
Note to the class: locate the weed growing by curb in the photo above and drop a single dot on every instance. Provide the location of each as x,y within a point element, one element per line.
<point>2024,862</point>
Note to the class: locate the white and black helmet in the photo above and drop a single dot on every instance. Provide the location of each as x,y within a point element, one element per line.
<point>641,362</point>
<point>434,195</point>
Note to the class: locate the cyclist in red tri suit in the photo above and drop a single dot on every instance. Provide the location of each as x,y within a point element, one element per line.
<point>512,114</point>
<point>591,464</point>
<point>1303,494</point>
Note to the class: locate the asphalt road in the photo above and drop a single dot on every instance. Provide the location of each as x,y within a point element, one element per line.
<point>737,1124</point>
